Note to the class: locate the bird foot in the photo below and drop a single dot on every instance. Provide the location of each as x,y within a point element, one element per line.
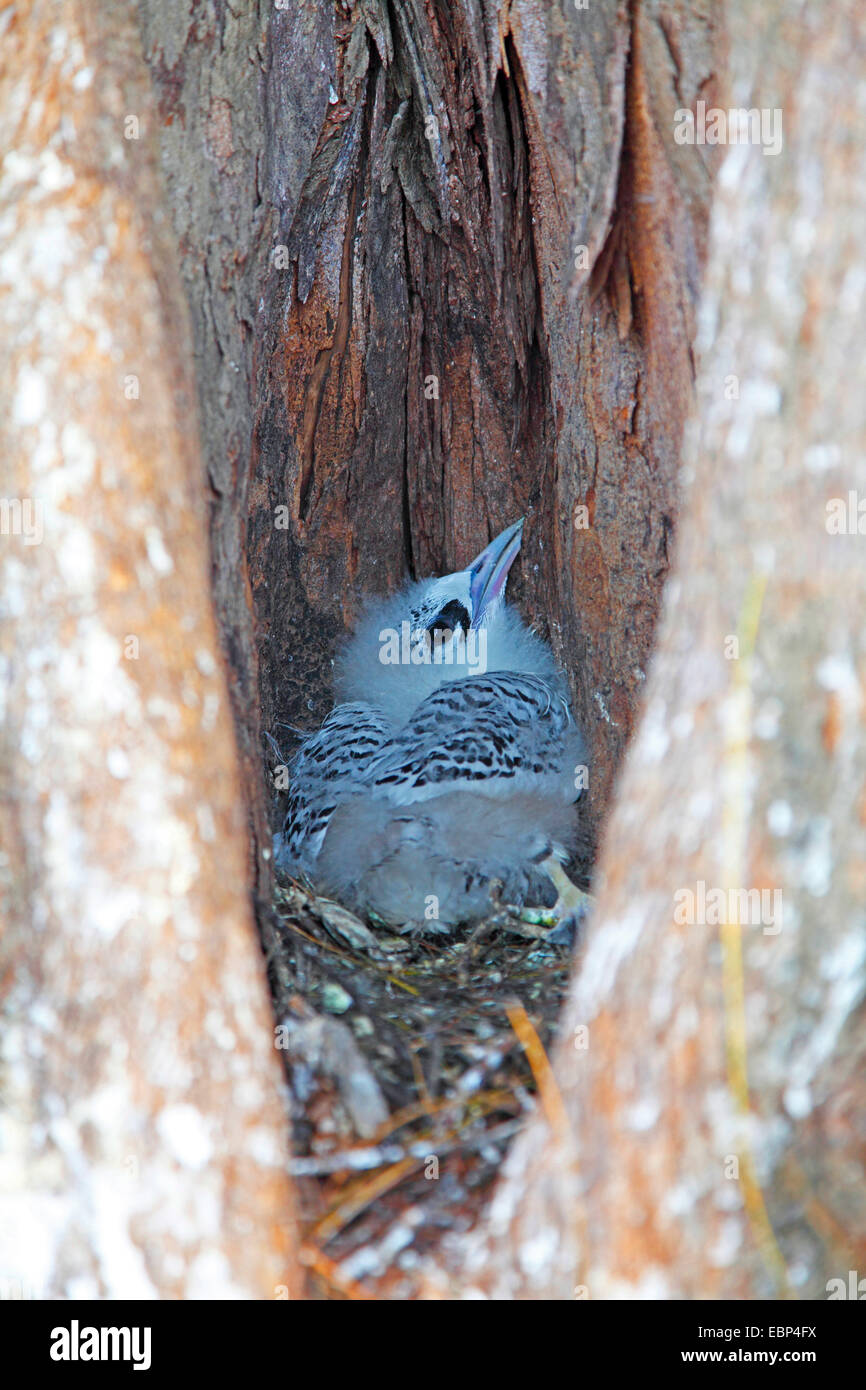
<point>571,898</point>
<point>571,905</point>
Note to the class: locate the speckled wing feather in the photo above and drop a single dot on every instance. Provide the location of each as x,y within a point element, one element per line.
<point>503,730</point>
<point>329,766</point>
<point>476,785</point>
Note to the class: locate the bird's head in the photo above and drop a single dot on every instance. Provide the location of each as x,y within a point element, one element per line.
<point>445,612</point>
<point>439,630</point>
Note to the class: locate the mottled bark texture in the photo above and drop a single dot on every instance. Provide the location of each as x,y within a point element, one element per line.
<point>144,1138</point>
<point>443,261</point>
<point>711,1139</point>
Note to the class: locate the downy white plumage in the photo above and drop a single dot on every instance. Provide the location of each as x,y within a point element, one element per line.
<point>447,765</point>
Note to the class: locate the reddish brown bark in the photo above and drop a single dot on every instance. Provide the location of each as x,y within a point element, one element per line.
<point>425,373</point>
<point>380,253</point>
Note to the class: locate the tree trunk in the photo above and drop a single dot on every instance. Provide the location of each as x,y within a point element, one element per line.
<point>711,1072</point>
<point>145,1139</point>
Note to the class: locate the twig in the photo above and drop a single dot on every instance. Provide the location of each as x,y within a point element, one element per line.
<point>549,1093</point>
<point>329,1270</point>
<point>380,1155</point>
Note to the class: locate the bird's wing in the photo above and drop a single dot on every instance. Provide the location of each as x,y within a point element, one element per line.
<point>328,766</point>
<point>501,730</point>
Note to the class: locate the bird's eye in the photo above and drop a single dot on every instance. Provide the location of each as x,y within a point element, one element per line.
<point>451,616</point>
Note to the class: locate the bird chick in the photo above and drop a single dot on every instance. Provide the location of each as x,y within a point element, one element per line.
<point>446,771</point>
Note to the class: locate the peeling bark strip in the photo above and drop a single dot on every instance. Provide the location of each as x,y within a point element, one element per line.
<point>145,1142</point>
<point>714,1077</point>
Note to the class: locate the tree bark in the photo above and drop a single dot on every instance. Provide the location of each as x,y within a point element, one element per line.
<point>711,1137</point>
<point>145,1138</point>
<point>443,262</point>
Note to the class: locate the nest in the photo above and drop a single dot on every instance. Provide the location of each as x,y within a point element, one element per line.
<point>411,1062</point>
